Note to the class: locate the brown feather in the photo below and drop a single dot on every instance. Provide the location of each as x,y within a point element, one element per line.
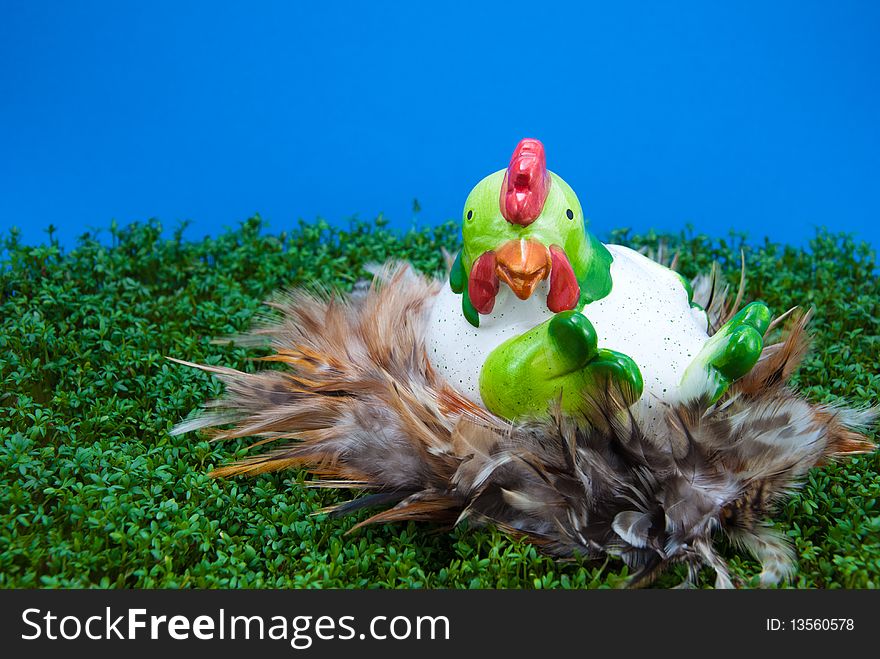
<point>739,291</point>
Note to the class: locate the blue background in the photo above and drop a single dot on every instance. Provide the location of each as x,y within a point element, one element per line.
<point>760,117</point>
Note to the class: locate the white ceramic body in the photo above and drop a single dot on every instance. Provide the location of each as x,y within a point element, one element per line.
<point>646,316</point>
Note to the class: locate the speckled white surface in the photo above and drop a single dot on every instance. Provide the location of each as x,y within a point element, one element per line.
<point>646,316</point>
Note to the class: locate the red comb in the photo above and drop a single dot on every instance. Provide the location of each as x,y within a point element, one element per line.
<point>526,183</point>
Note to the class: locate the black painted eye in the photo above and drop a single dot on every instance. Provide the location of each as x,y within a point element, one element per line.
<point>569,214</point>
<point>470,214</point>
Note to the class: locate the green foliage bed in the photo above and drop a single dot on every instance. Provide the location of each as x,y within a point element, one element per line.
<point>96,493</point>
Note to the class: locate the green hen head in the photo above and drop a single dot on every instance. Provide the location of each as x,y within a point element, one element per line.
<point>522,225</point>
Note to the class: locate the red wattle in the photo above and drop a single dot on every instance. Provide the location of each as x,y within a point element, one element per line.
<point>526,184</point>
<point>564,288</point>
<point>483,283</point>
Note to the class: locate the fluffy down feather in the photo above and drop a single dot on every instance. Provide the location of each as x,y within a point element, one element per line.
<point>360,406</point>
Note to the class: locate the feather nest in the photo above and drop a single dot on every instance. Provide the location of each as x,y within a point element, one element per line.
<point>361,408</point>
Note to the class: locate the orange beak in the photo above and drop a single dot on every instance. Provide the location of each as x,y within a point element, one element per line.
<point>522,265</point>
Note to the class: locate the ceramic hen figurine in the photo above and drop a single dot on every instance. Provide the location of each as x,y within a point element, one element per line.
<point>438,397</point>
<point>537,309</point>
